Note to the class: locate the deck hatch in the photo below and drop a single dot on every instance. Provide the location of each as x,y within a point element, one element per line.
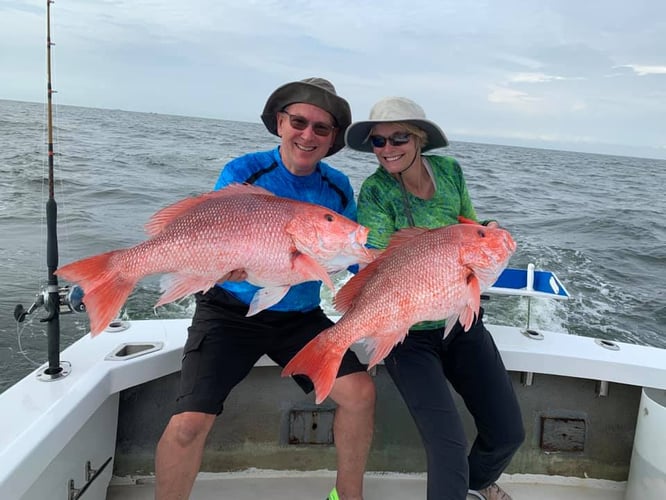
<point>562,434</point>
<point>312,426</point>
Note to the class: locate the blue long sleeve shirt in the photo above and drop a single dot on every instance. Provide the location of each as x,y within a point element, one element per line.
<point>326,186</point>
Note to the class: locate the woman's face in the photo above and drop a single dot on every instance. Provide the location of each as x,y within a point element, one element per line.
<point>394,147</point>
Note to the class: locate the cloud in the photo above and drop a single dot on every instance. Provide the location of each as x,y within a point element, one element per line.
<point>536,68</point>
<point>538,78</point>
<point>643,70</point>
<point>509,96</point>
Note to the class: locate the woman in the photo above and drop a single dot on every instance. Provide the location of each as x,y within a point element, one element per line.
<point>411,189</point>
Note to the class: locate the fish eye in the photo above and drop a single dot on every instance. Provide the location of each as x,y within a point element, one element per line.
<point>329,217</point>
<point>481,233</point>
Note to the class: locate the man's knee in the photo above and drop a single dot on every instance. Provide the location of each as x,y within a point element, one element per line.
<point>355,391</point>
<point>189,427</point>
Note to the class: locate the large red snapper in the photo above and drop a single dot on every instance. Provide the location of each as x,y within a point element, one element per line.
<point>278,241</point>
<point>423,275</point>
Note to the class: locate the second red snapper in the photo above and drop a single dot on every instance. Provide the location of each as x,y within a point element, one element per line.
<point>423,275</point>
<point>278,241</point>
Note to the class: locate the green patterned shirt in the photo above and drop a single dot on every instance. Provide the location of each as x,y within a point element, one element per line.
<point>382,207</point>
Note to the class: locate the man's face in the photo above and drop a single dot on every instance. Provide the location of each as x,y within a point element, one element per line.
<point>302,149</point>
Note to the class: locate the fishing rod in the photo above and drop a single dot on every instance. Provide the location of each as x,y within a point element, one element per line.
<point>55,299</point>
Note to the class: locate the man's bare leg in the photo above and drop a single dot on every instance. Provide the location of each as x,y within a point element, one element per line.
<point>178,455</point>
<point>353,428</point>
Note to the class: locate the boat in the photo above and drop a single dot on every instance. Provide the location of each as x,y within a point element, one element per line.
<point>594,413</point>
<point>85,424</point>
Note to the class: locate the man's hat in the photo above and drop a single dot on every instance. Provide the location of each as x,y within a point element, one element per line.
<point>315,91</point>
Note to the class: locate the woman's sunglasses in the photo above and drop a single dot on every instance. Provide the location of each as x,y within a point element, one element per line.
<point>397,139</point>
<point>298,122</point>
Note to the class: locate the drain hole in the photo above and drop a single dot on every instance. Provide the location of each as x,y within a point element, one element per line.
<point>533,334</point>
<point>607,344</point>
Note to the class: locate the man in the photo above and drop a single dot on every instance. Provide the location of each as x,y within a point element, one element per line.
<point>223,344</point>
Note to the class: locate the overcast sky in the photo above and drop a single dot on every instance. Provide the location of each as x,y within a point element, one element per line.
<point>582,75</point>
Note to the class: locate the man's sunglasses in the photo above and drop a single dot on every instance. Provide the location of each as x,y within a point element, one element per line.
<point>298,122</point>
<point>397,139</point>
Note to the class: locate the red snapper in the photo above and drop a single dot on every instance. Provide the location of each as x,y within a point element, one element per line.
<point>279,242</point>
<point>423,275</point>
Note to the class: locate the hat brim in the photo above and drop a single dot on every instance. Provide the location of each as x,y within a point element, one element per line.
<point>357,134</point>
<point>293,92</point>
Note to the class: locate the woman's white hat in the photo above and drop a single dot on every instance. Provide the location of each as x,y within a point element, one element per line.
<point>394,109</point>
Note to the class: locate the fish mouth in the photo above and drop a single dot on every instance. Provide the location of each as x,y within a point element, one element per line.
<point>352,252</point>
<point>356,245</point>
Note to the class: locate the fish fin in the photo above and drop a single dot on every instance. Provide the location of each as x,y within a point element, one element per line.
<point>346,296</point>
<point>450,323</point>
<point>471,308</point>
<point>167,215</point>
<point>404,235</point>
<point>311,269</point>
<point>380,347</point>
<point>374,253</point>
<point>466,317</point>
<point>177,286</point>
<point>465,220</point>
<point>241,188</point>
<point>266,297</point>
<point>104,289</point>
<point>486,276</point>
<point>320,361</point>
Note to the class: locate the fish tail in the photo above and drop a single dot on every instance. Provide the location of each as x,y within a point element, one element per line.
<point>105,290</point>
<point>320,361</point>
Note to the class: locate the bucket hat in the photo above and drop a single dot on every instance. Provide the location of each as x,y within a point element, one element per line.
<point>394,109</point>
<point>316,91</point>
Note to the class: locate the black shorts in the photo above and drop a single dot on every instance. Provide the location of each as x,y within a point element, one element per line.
<point>223,345</point>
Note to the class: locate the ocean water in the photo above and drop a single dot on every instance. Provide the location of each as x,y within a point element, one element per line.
<point>597,221</point>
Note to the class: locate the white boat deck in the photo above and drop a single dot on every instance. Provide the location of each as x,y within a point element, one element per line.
<point>294,485</point>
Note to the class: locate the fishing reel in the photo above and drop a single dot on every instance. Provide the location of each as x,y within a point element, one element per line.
<point>70,300</point>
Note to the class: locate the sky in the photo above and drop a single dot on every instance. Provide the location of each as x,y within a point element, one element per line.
<point>579,75</point>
